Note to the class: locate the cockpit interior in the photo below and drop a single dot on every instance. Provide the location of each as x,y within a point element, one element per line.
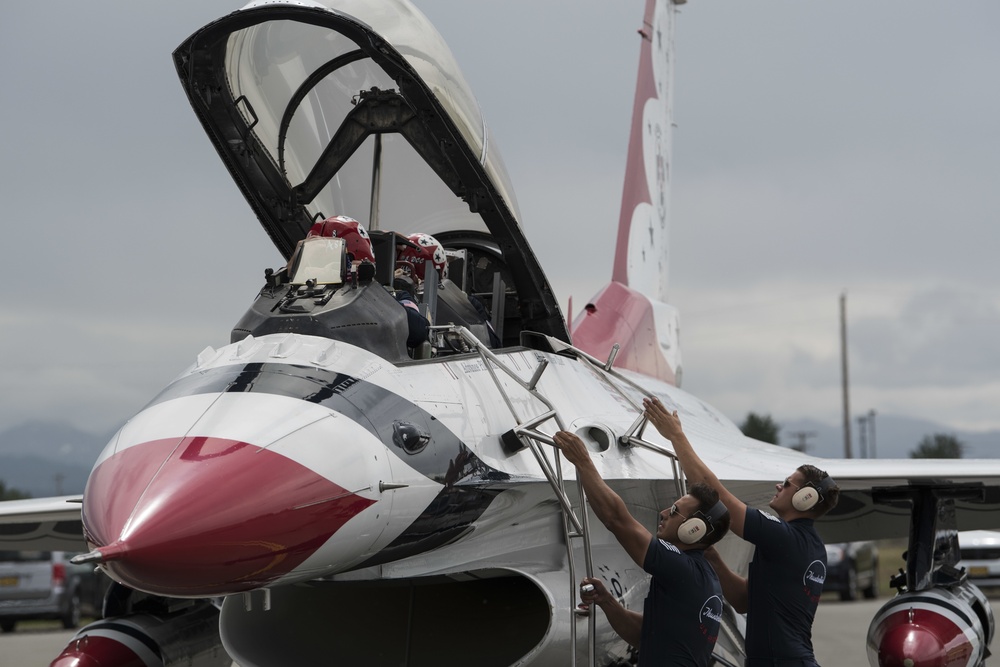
<point>322,292</point>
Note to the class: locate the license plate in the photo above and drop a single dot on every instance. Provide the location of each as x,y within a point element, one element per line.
<point>8,581</point>
<point>979,571</point>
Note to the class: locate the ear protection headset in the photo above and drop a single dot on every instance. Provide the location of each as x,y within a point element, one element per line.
<point>700,525</point>
<point>810,494</point>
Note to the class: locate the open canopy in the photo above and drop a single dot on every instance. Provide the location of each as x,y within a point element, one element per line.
<point>357,107</point>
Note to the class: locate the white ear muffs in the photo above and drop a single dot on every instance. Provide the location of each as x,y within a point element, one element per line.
<point>805,498</point>
<point>692,530</point>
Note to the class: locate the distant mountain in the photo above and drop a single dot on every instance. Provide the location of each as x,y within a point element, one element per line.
<point>48,458</point>
<point>895,438</point>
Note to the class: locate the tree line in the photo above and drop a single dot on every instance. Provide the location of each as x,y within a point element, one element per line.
<point>934,446</point>
<point>10,493</point>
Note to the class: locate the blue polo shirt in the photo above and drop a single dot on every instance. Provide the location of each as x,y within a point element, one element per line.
<point>784,583</point>
<point>681,614</point>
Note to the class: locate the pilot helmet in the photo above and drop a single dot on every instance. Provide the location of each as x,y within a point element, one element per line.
<point>429,250</point>
<point>356,239</point>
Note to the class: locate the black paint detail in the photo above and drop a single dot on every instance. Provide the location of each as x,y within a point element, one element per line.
<point>73,527</point>
<point>131,631</point>
<point>443,458</point>
<point>904,600</point>
<point>19,528</point>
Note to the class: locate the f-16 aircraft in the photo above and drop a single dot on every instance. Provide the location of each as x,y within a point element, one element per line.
<point>365,475</point>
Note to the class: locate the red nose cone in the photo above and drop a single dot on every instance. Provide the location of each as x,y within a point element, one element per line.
<point>208,516</point>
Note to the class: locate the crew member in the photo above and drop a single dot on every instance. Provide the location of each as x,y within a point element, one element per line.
<point>358,246</point>
<point>425,250</point>
<point>357,243</point>
<point>786,576</point>
<point>682,612</point>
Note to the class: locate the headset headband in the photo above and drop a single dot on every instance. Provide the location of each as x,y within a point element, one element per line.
<point>823,486</point>
<point>716,512</point>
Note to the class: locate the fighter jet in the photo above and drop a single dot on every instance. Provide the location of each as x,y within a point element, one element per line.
<point>365,474</point>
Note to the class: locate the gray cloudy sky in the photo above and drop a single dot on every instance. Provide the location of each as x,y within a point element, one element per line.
<point>820,148</point>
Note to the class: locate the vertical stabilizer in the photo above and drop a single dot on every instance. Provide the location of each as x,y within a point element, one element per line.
<point>641,250</point>
<point>632,310</point>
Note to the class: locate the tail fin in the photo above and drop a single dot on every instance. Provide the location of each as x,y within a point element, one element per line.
<point>632,311</point>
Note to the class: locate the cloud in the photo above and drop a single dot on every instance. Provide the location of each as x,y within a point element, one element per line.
<point>944,336</point>
<point>820,147</point>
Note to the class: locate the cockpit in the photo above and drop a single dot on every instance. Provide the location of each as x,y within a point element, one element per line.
<point>318,109</point>
<point>326,291</point>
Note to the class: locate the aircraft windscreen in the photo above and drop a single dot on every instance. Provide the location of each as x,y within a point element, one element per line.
<point>296,84</point>
<point>321,259</point>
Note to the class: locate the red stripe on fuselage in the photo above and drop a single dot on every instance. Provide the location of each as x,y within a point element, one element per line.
<point>209,516</point>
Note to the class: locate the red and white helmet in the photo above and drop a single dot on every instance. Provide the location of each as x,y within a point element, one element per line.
<point>355,236</point>
<point>429,250</point>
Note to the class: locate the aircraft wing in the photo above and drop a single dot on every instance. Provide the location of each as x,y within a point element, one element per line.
<point>861,514</point>
<point>873,502</point>
<point>45,524</point>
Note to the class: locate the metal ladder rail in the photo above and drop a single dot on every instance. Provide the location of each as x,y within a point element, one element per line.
<point>525,430</point>
<point>633,436</point>
<point>528,435</point>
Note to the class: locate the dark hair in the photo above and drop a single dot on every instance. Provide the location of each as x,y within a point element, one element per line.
<point>708,498</point>
<point>828,489</point>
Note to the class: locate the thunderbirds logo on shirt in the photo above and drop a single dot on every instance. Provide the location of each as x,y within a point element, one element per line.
<point>813,580</point>
<point>710,617</point>
<point>770,516</point>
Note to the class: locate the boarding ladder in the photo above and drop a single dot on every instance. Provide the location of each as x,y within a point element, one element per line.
<point>526,431</point>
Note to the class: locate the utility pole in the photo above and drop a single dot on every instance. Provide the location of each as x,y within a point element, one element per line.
<point>802,437</point>
<point>862,432</point>
<point>843,374</point>
<point>871,432</point>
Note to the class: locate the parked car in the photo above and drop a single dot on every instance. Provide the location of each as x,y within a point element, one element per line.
<point>852,567</point>
<point>980,556</point>
<point>44,584</point>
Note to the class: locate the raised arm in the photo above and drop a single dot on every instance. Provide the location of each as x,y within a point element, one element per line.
<point>734,587</point>
<point>669,426</point>
<point>628,624</point>
<point>607,505</point>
